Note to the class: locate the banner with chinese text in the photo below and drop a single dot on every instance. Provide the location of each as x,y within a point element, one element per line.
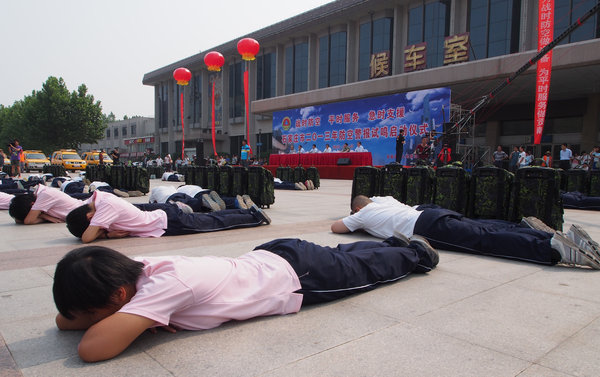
<point>544,66</point>
<point>373,121</point>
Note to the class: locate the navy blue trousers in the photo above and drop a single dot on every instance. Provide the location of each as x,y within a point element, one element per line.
<point>285,186</point>
<point>179,222</point>
<point>577,200</point>
<point>328,273</point>
<point>449,230</point>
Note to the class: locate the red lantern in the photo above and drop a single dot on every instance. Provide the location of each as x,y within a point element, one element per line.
<point>182,75</point>
<point>248,48</point>
<point>214,61</point>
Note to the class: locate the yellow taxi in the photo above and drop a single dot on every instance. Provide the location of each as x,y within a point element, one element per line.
<point>35,160</point>
<point>69,159</point>
<point>93,158</point>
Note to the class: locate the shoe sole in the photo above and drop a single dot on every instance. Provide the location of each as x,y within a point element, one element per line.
<point>241,203</point>
<point>248,201</point>
<point>208,202</point>
<point>435,256</point>
<point>217,199</point>
<point>265,218</point>
<point>584,237</point>
<point>535,223</point>
<point>402,238</point>
<point>593,260</point>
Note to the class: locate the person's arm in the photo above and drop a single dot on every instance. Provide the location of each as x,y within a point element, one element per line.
<point>34,217</point>
<point>50,219</point>
<point>93,232</point>
<point>339,227</point>
<point>80,322</point>
<point>117,234</point>
<point>111,336</point>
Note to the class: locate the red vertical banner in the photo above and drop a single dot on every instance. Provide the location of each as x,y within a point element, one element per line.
<point>247,103</point>
<point>544,66</point>
<point>182,128</point>
<point>213,119</point>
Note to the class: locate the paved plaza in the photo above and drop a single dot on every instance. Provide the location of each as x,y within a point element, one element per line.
<point>471,316</point>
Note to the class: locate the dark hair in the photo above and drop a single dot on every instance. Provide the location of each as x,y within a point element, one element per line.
<point>360,201</point>
<point>77,221</point>
<point>87,277</point>
<point>20,206</point>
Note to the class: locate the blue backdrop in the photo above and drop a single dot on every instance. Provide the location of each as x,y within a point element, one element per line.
<point>373,121</point>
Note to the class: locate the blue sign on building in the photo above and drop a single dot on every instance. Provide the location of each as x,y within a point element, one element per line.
<point>373,121</point>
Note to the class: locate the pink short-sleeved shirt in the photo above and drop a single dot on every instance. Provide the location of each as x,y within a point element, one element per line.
<point>114,213</point>
<point>5,200</point>
<point>203,292</point>
<point>54,202</point>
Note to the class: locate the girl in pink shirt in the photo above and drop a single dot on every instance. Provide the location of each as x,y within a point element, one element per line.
<point>115,298</point>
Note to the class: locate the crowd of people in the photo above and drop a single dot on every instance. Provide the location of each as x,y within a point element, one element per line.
<point>521,157</point>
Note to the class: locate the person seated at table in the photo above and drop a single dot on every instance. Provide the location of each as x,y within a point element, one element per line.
<point>292,150</point>
<point>359,147</point>
<point>327,149</point>
<point>300,149</point>
<point>314,149</point>
<point>345,148</point>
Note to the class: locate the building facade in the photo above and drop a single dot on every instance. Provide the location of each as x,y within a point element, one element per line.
<point>132,136</point>
<point>353,49</point>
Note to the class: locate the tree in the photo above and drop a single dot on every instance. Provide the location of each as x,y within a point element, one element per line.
<point>53,118</point>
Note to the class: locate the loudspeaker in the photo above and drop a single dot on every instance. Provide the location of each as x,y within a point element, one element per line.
<point>450,135</point>
<point>343,161</point>
<point>199,152</point>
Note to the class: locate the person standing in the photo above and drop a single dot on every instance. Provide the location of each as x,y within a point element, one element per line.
<point>15,151</point>
<point>547,160</point>
<point>2,158</point>
<point>522,157</point>
<point>245,153</point>
<point>499,156</point>
<point>400,140</point>
<point>101,157</point>
<point>514,159</point>
<point>565,157</point>
<point>423,150</point>
<point>115,155</point>
<point>595,158</point>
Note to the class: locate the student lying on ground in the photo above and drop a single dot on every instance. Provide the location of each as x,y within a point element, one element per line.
<point>530,241</point>
<point>199,199</point>
<point>106,216</point>
<point>45,204</point>
<point>115,298</point>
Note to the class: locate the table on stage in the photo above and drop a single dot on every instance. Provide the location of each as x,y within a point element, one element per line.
<point>316,159</point>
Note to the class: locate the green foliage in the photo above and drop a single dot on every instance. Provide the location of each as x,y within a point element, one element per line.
<point>52,118</point>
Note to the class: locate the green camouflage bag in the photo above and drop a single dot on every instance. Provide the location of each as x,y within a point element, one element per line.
<point>285,173</point>
<point>577,180</point>
<point>366,181</point>
<point>261,187</point>
<point>452,188</point>
<point>394,181</point>
<point>420,185</point>
<point>536,192</point>
<point>490,193</point>
<point>594,183</point>
<point>312,174</point>
<point>225,180</point>
<point>299,174</point>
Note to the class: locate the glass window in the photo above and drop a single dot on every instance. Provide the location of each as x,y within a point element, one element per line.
<point>133,129</point>
<point>236,91</point>
<point>108,133</point>
<point>196,98</point>
<point>296,68</point>
<point>332,59</point>
<point>266,79</point>
<point>567,12</point>
<point>430,23</point>
<point>124,131</point>
<point>493,27</point>
<point>374,36</point>
<point>116,132</point>
<point>163,106</point>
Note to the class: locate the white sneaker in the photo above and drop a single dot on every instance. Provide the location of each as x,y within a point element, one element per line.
<point>571,254</point>
<point>297,186</point>
<point>217,199</point>
<point>184,207</point>
<point>302,187</point>
<point>208,202</point>
<point>582,239</point>
<point>535,223</point>
<point>240,202</point>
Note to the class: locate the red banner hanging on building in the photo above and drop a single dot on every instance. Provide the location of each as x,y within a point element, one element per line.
<point>544,66</point>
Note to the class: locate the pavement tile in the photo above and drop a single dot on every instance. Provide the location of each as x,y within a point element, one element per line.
<point>578,355</point>
<point>257,346</point>
<point>22,279</point>
<point>519,322</point>
<point>537,371</point>
<point>404,350</point>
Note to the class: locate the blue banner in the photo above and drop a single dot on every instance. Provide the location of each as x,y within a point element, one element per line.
<point>374,122</point>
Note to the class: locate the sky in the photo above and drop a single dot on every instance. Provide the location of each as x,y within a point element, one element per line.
<point>109,45</point>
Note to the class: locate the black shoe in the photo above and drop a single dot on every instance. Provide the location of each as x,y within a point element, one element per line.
<point>261,214</point>
<point>432,253</point>
<point>397,240</point>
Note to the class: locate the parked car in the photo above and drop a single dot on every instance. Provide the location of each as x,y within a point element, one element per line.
<point>35,160</point>
<point>69,159</point>
<point>93,158</point>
